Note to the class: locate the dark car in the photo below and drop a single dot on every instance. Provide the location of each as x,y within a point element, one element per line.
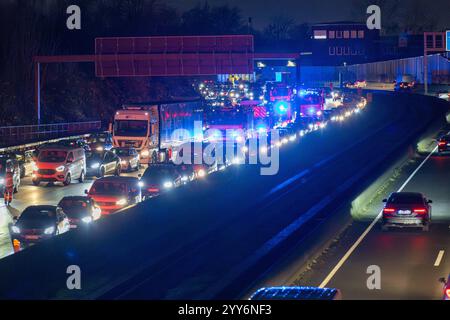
<point>404,86</point>
<point>37,223</point>
<point>80,210</point>
<point>99,164</point>
<point>407,209</point>
<point>9,165</point>
<point>444,144</point>
<point>158,178</point>
<point>100,141</point>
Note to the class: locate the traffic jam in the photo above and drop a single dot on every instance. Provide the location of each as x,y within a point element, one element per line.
<point>110,171</point>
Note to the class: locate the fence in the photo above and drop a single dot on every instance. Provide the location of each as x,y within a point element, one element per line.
<point>10,136</point>
<point>383,71</point>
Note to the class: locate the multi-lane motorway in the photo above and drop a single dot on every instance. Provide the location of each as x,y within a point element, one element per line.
<point>410,261</point>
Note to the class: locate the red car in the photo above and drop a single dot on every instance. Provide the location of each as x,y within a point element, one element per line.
<point>407,209</point>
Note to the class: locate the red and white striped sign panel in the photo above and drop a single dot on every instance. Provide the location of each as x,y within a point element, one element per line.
<point>173,56</point>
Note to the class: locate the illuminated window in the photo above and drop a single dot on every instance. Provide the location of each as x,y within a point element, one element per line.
<point>331,51</point>
<point>353,34</point>
<point>361,34</point>
<point>346,34</point>
<point>331,34</point>
<point>320,34</point>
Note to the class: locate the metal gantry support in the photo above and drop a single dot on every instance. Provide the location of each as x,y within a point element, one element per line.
<point>433,42</point>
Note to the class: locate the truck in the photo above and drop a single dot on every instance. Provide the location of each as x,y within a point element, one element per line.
<point>148,127</point>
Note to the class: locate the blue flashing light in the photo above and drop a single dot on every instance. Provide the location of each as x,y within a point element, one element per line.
<point>281,107</point>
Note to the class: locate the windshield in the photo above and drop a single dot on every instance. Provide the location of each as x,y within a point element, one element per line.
<point>92,156</point>
<point>122,152</point>
<point>52,156</point>
<point>131,128</point>
<point>74,207</point>
<point>37,215</point>
<point>109,188</point>
<point>311,99</point>
<point>159,173</point>
<point>97,140</point>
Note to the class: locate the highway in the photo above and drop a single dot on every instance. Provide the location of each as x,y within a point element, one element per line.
<point>410,261</point>
<point>28,195</point>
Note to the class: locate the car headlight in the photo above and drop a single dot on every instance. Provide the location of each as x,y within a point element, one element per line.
<point>60,169</point>
<point>49,230</point>
<point>2,181</point>
<point>184,178</point>
<point>145,153</point>
<point>244,149</point>
<point>121,202</point>
<point>124,162</point>
<point>201,173</point>
<point>95,165</point>
<point>15,229</point>
<point>87,219</point>
<point>141,184</point>
<point>99,149</point>
<point>168,184</point>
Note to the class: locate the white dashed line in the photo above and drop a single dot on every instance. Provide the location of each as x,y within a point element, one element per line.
<point>439,258</point>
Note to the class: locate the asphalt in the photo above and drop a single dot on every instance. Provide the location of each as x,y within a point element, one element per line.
<point>410,261</point>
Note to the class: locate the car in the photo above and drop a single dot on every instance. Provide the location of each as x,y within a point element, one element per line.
<point>446,288</point>
<point>99,142</point>
<point>196,163</point>
<point>444,144</point>
<point>404,86</point>
<point>25,160</point>
<point>129,158</point>
<point>296,293</point>
<point>37,223</point>
<point>9,165</point>
<point>81,210</point>
<point>159,178</point>
<point>81,143</point>
<point>406,209</point>
<point>99,164</point>
<point>59,163</point>
<point>114,193</point>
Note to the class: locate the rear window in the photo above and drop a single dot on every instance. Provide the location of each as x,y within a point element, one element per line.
<point>405,198</point>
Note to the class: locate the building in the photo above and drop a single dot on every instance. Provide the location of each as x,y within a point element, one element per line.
<point>340,43</point>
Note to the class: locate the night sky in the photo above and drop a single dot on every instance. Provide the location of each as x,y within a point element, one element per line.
<point>310,11</point>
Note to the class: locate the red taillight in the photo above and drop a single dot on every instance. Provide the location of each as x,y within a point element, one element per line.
<point>442,143</point>
<point>421,211</point>
<point>447,293</point>
<point>389,210</point>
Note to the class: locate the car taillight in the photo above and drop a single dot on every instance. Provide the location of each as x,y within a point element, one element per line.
<point>447,293</point>
<point>420,210</point>
<point>389,210</point>
<point>442,143</point>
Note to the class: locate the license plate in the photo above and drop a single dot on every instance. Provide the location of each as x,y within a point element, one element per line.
<point>31,237</point>
<point>404,212</point>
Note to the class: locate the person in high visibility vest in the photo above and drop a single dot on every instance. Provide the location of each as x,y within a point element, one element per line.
<point>8,188</point>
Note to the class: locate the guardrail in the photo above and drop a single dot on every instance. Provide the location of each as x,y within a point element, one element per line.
<point>17,135</point>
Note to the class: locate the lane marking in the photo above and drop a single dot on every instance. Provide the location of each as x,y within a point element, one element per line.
<point>439,258</point>
<point>370,227</point>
